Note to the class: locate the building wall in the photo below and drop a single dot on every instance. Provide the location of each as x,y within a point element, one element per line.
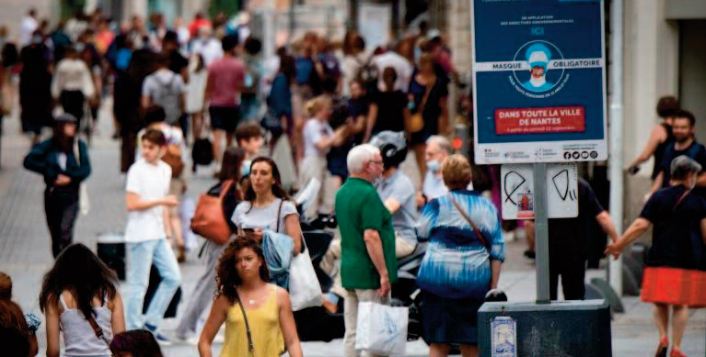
<point>651,70</point>
<point>13,11</point>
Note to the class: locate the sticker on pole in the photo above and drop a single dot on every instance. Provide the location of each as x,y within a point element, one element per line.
<point>517,183</point>
<point>539,81</point>
<point>503,332</point>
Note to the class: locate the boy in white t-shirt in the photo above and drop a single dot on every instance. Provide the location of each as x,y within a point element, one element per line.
<point>147,201</point>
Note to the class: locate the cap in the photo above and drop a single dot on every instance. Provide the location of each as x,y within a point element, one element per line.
<point>65,118</point>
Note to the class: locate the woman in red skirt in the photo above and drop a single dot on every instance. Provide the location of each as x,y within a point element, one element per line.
<point>675,272</point>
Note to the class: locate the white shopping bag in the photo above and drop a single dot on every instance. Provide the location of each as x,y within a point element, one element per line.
<point>304,287</point>
<point>381,329</point>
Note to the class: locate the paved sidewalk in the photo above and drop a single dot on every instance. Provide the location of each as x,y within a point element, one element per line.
<point>25,248</point>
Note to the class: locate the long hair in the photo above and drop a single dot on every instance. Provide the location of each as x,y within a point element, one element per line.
<point>139,343</point>
<point>277,189</point>
<point>82,273</point>
<point>233,158</point>
<point>61,141</point>
<point>227,278</point>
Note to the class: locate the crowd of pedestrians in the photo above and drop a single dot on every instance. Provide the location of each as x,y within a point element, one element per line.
<point>349,115</point>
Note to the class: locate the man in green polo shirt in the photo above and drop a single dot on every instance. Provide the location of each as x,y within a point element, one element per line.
<point>368,263</point>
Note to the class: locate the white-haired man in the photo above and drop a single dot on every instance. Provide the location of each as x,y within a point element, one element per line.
<point>438,148</point>
<point>368,263</point>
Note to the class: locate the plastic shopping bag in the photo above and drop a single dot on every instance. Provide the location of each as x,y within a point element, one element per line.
<point>381,329</point>
<point>304,287</point>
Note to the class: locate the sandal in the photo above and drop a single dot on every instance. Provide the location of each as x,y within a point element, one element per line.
<point>676,352</point>
<point>662,347</point>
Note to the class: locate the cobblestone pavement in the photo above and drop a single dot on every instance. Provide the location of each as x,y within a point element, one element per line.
<point>25,249</point>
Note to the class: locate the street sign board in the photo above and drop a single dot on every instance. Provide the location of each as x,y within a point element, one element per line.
<point>517,185</point>
<point>539,89</point>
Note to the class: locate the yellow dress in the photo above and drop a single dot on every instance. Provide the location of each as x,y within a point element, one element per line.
<point>264,326</point>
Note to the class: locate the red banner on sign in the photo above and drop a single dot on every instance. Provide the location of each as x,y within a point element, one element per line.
<point>571,119</point>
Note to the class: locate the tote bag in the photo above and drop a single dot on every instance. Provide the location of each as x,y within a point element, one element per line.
<point>304,287</point>
<point>381,329</point>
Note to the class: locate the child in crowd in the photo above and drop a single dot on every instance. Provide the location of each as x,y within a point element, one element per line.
<point>80,300</point>
<point>249,138</point>
<point>148,200</point>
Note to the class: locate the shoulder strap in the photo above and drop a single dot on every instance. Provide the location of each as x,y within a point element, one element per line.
<point>279,213</point>
<point>427,91</point>
<point>225,187</point>
<point>468,219</point>
<point>98,330</point>
<point>680,200</point>
<point>251,346</point>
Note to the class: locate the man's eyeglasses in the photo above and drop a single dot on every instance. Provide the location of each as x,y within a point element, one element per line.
<point>379,162</point>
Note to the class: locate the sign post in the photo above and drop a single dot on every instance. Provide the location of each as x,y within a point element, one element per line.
<point>541,229</point>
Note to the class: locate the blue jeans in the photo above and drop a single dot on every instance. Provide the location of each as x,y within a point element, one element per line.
<point>140,257</point>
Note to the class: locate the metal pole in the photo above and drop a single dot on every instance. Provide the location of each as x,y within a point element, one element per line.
<point>541,229</point>
<point>615,276</point>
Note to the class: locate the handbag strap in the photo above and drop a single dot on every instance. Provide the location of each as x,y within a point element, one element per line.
<point>279,213</point>
<point>98,330</point>
<point>427,92</point>
<point>468,219</point>
<point>251,345</point>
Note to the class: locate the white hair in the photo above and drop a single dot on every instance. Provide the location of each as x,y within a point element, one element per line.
<point>359,156</point>
<point>442,142</point>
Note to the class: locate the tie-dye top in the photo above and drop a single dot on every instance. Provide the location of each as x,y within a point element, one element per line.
<point>456,264</point>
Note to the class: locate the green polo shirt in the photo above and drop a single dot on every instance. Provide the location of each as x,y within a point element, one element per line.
<point>359,207</point>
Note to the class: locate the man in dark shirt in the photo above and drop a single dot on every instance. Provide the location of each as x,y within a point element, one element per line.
<point>684,144</point>
<point>569,241</point>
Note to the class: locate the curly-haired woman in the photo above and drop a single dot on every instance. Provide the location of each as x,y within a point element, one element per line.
<point>258,315</point>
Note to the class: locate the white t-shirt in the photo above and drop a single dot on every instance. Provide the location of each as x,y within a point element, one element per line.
<point>263,217</point>
<point>149,182</point>
<point>315,130</point>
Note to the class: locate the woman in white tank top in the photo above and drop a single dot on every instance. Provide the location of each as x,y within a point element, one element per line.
<point>80,301</point>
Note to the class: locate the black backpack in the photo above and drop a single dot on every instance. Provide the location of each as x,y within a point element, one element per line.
<point>202,153</point>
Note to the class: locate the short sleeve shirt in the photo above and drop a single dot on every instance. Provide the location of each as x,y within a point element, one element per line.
<point>315,130</point>
<point>246,216</point>
<point>359,207</point>
<point>695,151</point>
<point>149,181</point>
<point>568,236</point>
<point>400,188</point>
<point>676,235</point>
<point>226,76</point>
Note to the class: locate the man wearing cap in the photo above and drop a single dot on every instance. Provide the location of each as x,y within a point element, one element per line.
<point>63,161</point>
<point>538,57</point>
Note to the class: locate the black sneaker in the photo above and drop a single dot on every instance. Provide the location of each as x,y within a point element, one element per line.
<point>529,254</point>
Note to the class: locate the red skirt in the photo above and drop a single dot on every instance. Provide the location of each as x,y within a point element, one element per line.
<point>674,286</point>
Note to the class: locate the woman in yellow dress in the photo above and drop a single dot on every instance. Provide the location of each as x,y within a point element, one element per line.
<point>268,328</point>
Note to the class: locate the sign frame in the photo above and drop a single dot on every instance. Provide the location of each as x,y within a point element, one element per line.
<point>531,150</point>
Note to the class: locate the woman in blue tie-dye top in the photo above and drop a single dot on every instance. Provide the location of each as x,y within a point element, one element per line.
<point>459,267</point>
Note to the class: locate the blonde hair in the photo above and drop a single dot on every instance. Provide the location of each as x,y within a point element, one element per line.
<point>456,171</point>
<point>314,106</point>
